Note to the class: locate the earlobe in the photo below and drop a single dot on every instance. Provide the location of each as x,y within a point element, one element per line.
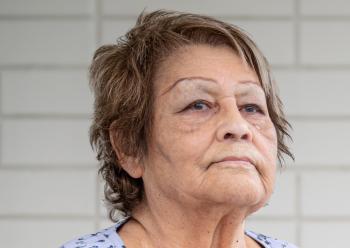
<point>131,165</point>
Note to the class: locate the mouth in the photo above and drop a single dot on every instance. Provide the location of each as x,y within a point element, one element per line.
<point>232,161</point>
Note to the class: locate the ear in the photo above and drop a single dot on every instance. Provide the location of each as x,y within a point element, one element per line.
<point>131,165</point>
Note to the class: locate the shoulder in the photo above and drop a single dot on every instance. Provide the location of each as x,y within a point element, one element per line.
<point>269,242</point>
<point>106,238</point>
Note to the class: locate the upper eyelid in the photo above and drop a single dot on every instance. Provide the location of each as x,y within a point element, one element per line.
<point>260,108</point>
<point>190,106</point>
<point>251,105</point>
<point>199,101</point>
<point>210,104</point>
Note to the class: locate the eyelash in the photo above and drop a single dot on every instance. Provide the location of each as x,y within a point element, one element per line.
<point>191,106</point>
<point>258,109</point>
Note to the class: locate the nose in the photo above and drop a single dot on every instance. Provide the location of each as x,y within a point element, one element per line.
<point>233,126</point>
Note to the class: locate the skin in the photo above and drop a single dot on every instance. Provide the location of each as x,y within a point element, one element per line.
<point>209,105</point>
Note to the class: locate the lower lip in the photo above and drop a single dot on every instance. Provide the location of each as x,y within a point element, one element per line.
<point>234,164</point>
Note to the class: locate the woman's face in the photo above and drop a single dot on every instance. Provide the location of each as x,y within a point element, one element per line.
<point>213,141</point>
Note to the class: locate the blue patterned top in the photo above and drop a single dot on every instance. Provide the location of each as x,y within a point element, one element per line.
<point>109,238</point>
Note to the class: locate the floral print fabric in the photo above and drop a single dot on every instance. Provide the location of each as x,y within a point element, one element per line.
<point>109,238</point>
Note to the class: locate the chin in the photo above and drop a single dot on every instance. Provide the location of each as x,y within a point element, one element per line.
<point>236,188</point>
<point>245,194</point>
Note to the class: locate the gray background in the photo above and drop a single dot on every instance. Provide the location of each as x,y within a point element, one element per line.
<point>49,191</point>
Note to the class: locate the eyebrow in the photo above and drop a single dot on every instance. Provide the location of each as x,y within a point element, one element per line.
<point>204,79</point>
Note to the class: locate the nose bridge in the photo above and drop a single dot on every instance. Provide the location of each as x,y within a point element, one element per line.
<point>230,112</point>
<point>232,124</point>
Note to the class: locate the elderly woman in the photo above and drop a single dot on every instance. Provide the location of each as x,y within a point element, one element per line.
<point>188,128</point>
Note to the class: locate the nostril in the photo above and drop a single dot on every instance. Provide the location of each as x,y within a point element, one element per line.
<point>245,137</point>
<point>228,136</point>
<point>232,136</point>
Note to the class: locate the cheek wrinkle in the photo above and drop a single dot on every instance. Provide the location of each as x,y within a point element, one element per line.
<point>162,152</point>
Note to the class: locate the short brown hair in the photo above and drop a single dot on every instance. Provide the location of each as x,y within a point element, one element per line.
<point>121,77</point>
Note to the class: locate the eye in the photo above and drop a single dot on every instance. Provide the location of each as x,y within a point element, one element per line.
<point>252,108</point>
<point>198,105</point>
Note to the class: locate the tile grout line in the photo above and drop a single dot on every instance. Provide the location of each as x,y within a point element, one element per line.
<point>297,64</point>
<point>323,18</point>
<point>47,167</point>
<point>45,216</point>
<point>46,66</point>
<point>47,17</point>
<point>332,18</point>
<point>297,37</point>
<point>298,203</point>
<point>1,115</point>
<point>234,17</point>
<point>47,116</point>
<point>97,22</point>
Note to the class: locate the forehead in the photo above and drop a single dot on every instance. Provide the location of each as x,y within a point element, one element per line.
<point>203,66</point>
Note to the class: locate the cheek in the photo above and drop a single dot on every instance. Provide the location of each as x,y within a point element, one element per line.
<point>271,138</point>
<point>266,143</point>
<point>180,142</point>
<point>265,140</point>
<point>268,135</point>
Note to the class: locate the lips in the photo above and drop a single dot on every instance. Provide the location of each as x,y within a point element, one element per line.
<point>231,158</point>
<point>236,160</point>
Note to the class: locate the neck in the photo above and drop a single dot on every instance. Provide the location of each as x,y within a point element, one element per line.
<point>167,224</point>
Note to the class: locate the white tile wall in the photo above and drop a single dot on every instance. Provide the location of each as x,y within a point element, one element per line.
<point>41,233</point>
<point>37,192</point>
<point>278,45</point>
<point>45,142</point>
<point>45,92</point>
<point>321,143</point>
<point>64,42</point>
<point>325,193</point>
<point>325,234</point>
<point>319,92</point>
<point>42,7</point>
<point>282,201</point>
<point>325,8</point>
<point>111,30</point>
<point>45,103</point>
<point>224,7</point>
<point>325,42</point>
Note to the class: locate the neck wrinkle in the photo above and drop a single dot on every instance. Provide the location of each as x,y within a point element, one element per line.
<point>178,227</point>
